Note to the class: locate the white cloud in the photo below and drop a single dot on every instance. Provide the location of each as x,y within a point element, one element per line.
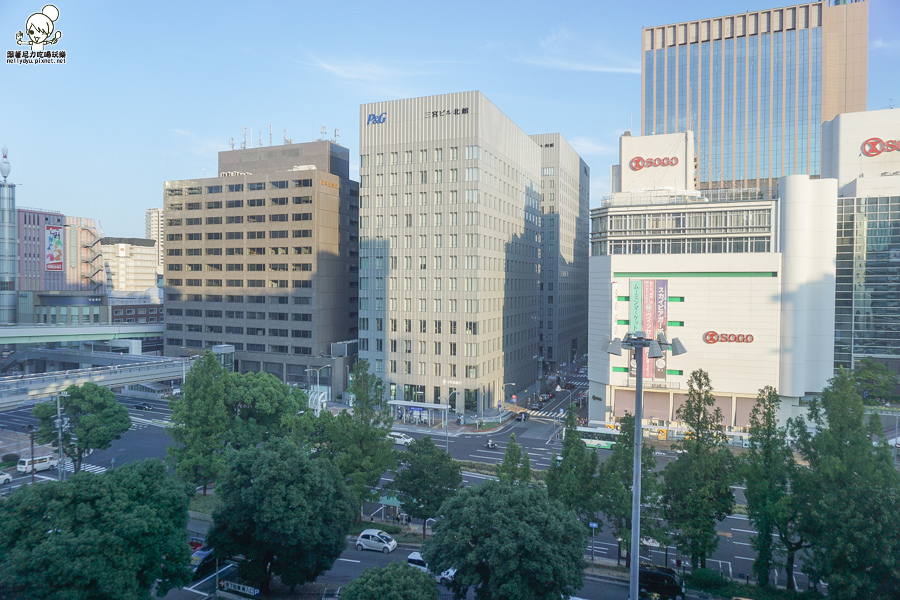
<point>559,47</point>
<point>587,146</point>
<point>890,46</point>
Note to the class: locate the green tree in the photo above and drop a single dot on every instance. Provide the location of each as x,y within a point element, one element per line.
<point>429,476</point>
<point>261,407</point>
<point>874,382</point>
<point>614,482</point>
<point>200,423</point>
<point>94,418</point>
<point>572,479</point>
<point>115,535</point>
<point>851,494</point>
<point>766,468</point>
<point>366,386</point>
<point>697,490</point>
<point>286,513</point>
<point>356,441</point>
<point>508,541</point>
<point>516,466</point>
<point>397,581</point>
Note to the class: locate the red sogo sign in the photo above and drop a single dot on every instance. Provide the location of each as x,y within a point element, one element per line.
<point>875,146</point>
<point>711,337</point>
<point>638,162</point>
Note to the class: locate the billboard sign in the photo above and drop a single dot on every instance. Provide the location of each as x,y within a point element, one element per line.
<point>53,248</point>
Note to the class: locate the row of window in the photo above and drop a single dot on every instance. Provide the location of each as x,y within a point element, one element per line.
<point>472,152</point>
<point>420,177</point>
<point>234,251</point>
<point>406,368</point>
<point>240,330</point>
<point>239,314</point>
<point>471,327</point>
<point>136,311</point>
<point>239,187</point>
<point>237,219</point>
<point>234,299</point>
<point>275,234</point>
<point>240,346</point>
<point>217,267</point>
<point>239,283</point>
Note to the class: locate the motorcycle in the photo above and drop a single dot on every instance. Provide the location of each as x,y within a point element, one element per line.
<point>491,445</point>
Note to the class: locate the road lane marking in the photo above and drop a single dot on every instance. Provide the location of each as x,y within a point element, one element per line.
<point>349,560</point>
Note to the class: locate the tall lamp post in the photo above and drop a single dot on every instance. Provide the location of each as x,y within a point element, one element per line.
<point>447,419</point>
<point>638,341</point>
<point>318,390</point>
<point>60,472</point>
<point>31,435</point>
<point>512,383</point>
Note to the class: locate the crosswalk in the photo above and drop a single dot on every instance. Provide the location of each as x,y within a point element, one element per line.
<point>68,467</point>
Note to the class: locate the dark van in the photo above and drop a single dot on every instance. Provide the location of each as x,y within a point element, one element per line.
<point>660,582</point>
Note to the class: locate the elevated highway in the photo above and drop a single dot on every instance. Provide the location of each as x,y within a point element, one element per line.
<point>43,334</point>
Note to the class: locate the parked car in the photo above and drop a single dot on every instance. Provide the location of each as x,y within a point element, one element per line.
<point>660,581</point>
<point>400,438</point>
<point>143,406</point>
<point>415,560</point>
<point>202,561</point>
<point>375,539</point>
<point>38,463</point>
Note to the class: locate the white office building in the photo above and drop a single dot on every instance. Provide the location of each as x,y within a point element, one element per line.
<point>450,249</point>
<point>743,277</point>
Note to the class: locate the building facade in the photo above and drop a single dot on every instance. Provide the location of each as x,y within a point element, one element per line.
<point>450,236</point>
<point>756,87</point>
<point>862,151</point>
<point>565,221</point>
<point>743,277</point>
<point>263,257</point>
<point>130,263</point>
<point>155,229</point>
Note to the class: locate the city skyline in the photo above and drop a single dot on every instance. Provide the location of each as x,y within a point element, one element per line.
<point>155,96</point>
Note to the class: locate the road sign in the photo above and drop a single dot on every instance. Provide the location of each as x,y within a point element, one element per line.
<point>593,525</point>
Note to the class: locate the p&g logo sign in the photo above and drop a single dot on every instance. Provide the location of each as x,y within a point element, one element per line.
<point>373,118</point>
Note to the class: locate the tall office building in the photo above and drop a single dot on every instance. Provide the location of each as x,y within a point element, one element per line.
<point>450,248</point>
<point>130,263</point>
<point>565,206</point>
<point>263,257</point>
<point>155,229</point>
<point>756,87</point>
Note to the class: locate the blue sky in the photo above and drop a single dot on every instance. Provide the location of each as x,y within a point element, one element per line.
<point>152,91</point>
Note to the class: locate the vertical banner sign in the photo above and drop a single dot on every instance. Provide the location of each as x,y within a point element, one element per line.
<point>648,320</point>
<point>660,322</point>
<point>635,316</point>
<point>53,248</point>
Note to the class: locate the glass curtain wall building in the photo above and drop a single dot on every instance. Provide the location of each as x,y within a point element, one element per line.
<point>755,87</point>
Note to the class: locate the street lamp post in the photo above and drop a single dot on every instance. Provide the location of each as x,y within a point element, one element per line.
<point>447,419</point>
<point>318,390</point>
<point>638,341</point>
<point>60,472</point>
<point>31,435</point>
<point>512,383</point>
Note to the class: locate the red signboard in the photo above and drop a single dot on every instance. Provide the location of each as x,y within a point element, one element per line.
<point>875,146</point>
<point>711,337</point>
<point>638,162</point>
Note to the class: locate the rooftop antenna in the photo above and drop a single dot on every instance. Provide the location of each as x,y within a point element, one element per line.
<point>270,134</point>
<point>4,164</point>
<point>324,131</point>
<point>231,142</point>
<point>337,134</point>
<point>285,138</point>
<point>259,142</point>
<point>244,143</point>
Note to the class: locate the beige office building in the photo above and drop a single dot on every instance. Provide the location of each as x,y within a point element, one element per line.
<point>450,248</point>
<point>130,263</point>
<point>263,257</point>
<point>756,87</point>
<point>155,229</point>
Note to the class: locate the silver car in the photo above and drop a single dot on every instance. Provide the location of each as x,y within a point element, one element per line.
<point>375,539</point>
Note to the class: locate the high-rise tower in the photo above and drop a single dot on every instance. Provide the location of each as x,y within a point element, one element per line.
<point>756,87</point>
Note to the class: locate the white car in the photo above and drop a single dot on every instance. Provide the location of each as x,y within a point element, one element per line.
<point>5,477</point>
<point>415,560</point>
<point>375,539</point>
<point>400,438</point>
